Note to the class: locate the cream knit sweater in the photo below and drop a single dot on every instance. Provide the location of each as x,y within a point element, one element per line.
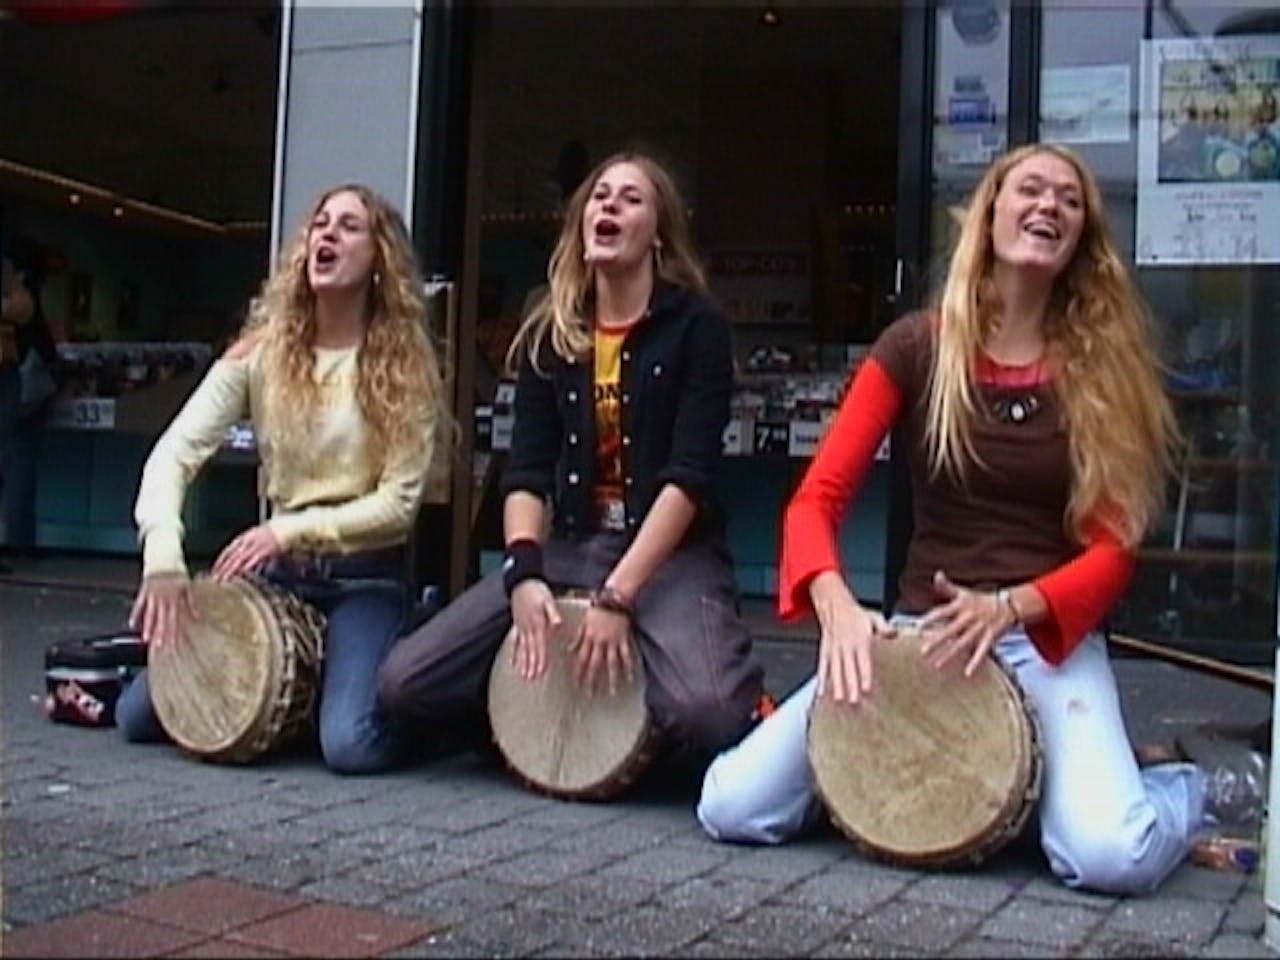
<point>329,492</point>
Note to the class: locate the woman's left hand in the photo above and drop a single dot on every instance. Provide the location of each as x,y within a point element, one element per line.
<point>967,622</point>
<point>247,553</point>
<point>603,643</point>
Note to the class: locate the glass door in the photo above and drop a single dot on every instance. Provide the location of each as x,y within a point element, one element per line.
<point>953,118</point>
<point>782,136</point>
<point>1173,105</point>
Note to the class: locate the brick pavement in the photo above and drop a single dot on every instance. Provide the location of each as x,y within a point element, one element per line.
<point>114,850</point>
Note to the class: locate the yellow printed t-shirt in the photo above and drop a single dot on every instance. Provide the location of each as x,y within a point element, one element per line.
<point>608,406</point>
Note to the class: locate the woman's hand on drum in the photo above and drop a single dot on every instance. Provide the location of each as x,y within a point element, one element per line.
<point>162,609</point>
<point>535,615</point>
<point>847,632</point>
<point>603,643</point>
<point>247,553</point>
<point>966,624</point>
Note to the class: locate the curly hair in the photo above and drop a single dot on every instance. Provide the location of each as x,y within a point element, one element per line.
<point>562,312</point>
<point>1122,433</point>
<point>398,378</point>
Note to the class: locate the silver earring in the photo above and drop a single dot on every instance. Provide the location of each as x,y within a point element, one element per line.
<point>377,279</point>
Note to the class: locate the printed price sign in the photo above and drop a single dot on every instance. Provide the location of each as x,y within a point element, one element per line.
<point>84,413</point>
<point>736,438</point>
<point>772,436</point>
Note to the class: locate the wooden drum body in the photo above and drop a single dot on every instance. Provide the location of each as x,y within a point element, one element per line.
<point>932,768</point>
<point>560,740</point>
<point>244,680</point>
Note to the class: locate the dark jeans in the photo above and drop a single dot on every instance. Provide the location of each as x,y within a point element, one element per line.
<point>365,600</point>
<point>10,456</point>
<point>703,679</point>
<point>21,455</point>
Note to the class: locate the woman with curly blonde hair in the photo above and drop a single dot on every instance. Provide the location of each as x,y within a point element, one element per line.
<point>1038,439</point>
<point>341,381</point>
<point>624,375</point>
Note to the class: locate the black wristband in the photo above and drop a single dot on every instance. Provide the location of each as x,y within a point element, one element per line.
<point>523,562</point>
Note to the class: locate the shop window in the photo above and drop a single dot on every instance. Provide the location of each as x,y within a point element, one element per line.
<point>1173,108</point>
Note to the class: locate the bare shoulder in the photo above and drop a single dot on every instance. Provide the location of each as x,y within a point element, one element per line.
<point>243,346</point>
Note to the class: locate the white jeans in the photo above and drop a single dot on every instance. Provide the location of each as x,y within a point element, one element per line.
<point>1104,824</point>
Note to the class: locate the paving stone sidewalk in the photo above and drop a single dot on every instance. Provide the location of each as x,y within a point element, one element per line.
<point>118,850</point>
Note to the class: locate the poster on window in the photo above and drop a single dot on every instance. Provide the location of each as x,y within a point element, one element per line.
<point>1085,104</point>
<point>1209,152</point>
<point>971,92</point>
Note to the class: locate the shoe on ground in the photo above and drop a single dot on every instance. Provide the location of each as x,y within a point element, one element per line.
<point>1236,779</point>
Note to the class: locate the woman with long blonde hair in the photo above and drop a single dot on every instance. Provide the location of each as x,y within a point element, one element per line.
<point>1038,439</point>
<point>341,382</point>
<point>624,377</point>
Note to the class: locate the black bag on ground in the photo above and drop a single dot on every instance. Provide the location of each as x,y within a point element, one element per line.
<point>84,677</point>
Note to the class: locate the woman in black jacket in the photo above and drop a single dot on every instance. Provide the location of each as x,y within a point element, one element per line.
<point>624,378</point>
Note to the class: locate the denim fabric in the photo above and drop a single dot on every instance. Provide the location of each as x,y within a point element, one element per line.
<point>1104,824</point>
<point>365,601</point>
<point>20,456</point>
<point>10,399</point>
<point>11,468</point>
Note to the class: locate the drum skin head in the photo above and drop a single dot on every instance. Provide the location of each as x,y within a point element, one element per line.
<point>932,768</point>
<point>557,739</point>
<point>213,688</point>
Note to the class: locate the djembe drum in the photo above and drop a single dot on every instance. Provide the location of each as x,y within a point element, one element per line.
<point>244,679</point>
<point>932,768</point>
<point>561,740</point>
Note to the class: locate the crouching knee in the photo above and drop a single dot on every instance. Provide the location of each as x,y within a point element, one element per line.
<point>707,725</point>
<point>349,752</point>
<point>1112,864</point>
<point>134,715</point>
<point>722,815</point>
<point>734,812</point>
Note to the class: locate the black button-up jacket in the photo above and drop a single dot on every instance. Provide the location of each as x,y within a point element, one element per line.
<point>677,377</point>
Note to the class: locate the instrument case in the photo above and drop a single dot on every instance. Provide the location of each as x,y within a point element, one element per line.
<point>85,676</point>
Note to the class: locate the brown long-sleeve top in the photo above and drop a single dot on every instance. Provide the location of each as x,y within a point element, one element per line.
<point>1004,528</point>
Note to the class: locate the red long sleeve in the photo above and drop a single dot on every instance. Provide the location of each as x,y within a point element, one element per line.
<point>1080,592</point>
<point>843,458</point>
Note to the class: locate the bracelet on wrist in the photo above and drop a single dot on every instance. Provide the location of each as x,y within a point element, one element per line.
<point>605,597</point>
<point>1004,597</point>
<point>522,562</point>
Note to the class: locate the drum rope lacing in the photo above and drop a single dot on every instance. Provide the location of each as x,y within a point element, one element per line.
<point>302,630</point>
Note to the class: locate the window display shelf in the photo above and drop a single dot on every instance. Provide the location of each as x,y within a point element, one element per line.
<point>125,386</point>
<point>1202,555</point>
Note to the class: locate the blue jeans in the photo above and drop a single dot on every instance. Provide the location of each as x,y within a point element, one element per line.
<point>21,456</point>
<point>364,599</point>
<point>10,467</point>
<point>1104,823</point>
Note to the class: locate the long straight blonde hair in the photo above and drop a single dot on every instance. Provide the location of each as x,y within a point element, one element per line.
<point>1121,429</point>
<point>562,313</point>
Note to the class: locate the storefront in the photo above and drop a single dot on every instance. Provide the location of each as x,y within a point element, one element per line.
<point>821,149</point>
<point>783,136</point>
<point>1173,105</point>
<point>135,165</point>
